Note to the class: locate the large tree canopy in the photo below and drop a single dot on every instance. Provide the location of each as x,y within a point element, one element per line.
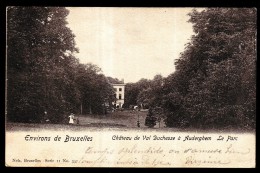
<point>40,60</point>
<point>132,90</point>
<point>43,74</point>
<point>94,87</point>
<point>214,84</point>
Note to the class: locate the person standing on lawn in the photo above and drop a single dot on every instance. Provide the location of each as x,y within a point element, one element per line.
<point>71,121</point>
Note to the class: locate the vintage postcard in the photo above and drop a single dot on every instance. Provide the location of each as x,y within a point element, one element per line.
<point>130,87</point>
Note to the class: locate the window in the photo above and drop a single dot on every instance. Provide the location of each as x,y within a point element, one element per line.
<point>120,89</point>
<point>120,96</point>
<point>115,89</point>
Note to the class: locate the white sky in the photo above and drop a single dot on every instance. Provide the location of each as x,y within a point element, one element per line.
<point>130,43</point>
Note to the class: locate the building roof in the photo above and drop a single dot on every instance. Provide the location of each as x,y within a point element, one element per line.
<point>118,84</point>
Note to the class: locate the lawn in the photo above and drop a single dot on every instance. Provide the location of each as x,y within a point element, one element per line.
<point>119,120</point>
<point>122,120</point>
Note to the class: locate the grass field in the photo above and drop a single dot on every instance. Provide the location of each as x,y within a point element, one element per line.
<point>116,119</point>
<point>120,120</point>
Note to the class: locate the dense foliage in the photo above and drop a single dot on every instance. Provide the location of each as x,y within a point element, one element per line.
<point>95,89</point>
<point>42,72</point>
<point>214,85</point>
<point>132,91</point>
<point>115,80</point>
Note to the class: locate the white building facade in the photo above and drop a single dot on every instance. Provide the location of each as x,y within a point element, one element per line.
<point>119,94</point>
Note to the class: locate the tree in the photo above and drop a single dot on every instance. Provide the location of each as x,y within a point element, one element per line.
<point>150,119</point>
<point>115,80</point>
<point>94,87</point>
<point>43,74</point>
<point>133,89</point>
<point>214,82</point>
<point>152,95</point>
<point>40,64</point>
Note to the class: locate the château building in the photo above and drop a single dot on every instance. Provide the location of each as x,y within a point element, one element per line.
<point>119,94</point>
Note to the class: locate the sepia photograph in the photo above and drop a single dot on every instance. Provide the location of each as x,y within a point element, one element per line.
<point>130,87</point>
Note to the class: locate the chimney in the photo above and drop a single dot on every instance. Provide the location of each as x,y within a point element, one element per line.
<point>122,80</point>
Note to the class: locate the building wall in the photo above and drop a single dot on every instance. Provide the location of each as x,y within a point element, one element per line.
<point>120,94</point>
